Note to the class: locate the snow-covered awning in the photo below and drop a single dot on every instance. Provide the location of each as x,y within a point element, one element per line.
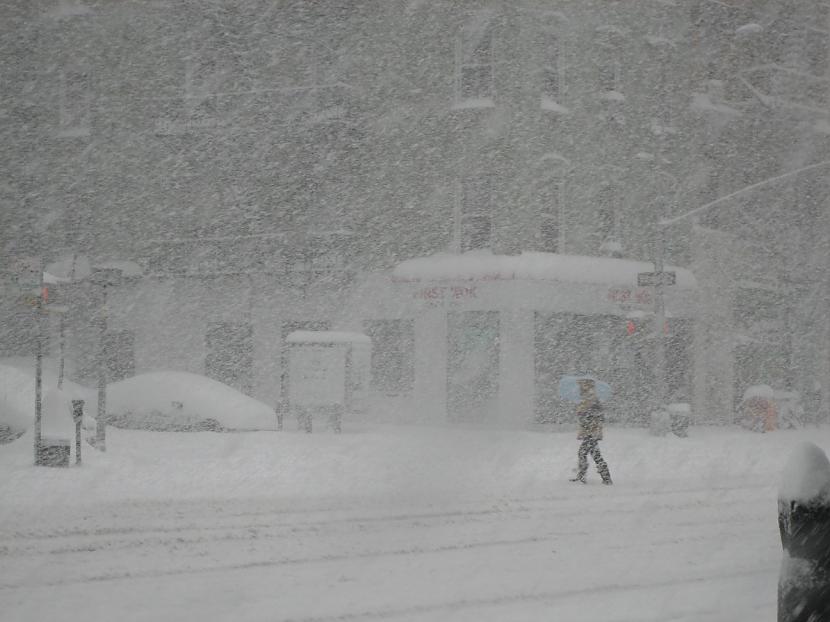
<point>483,265</point>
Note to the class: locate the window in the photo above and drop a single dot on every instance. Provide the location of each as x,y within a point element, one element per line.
<point>201,82</point>
<point>476,233</point>
<point>393,346</point>
<point>230,354</point>
<point>816,44</point>
<point>606,216</point>
<point>476,205</point>
<point>474,81</point>
<point>550,229</point>
<point>551,69</point>
<point>119,354</point>
<point>610,40</point>
<point>168,257</point>
<point>75,103</point>
<point>472,365</point>
<point>664,108</point>
<point>610,73</point>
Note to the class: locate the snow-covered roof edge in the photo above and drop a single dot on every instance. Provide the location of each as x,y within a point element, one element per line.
<point>485,266</point>
<point>326,336</point>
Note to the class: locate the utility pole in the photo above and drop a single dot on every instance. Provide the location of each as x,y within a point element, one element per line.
<point>39,368</point>
<point>659,318</point>
<point>100,420</point>
<point>105,277</point>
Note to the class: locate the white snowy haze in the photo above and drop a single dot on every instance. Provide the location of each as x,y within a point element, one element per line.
<point>328,276</point>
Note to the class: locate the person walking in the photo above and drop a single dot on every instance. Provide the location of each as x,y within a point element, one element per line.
<point>591,417</point>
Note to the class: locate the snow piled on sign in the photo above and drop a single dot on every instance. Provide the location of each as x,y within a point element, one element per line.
<point>182,398</point>
<point>806,476</point>
<point>484,265</point>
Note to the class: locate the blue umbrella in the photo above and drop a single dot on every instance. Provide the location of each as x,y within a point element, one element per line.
<point>569,389</point>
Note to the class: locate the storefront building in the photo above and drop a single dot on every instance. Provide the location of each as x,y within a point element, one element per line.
<point>484,339</point>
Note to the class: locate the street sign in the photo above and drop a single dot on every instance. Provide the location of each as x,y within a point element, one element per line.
<point>26,273</point>
<point>653,279</point>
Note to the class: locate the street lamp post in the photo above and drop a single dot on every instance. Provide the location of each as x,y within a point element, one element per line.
<point>659,295</point>
<point>39,371</point>
<point>105,277</point>
<point>659,319</point>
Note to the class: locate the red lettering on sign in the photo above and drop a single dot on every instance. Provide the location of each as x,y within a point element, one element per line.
<point>463,292</point>
<point>458,292</point>
<point>641,295</point>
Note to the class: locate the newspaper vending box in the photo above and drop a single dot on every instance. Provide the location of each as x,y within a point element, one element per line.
<point>328,375</point>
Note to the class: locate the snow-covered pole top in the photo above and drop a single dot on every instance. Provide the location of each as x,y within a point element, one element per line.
<point>324,337</point>
<point>806,477</point>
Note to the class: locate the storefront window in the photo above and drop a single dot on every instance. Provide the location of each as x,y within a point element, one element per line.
<point>393,346</point>
<point>472,365</point>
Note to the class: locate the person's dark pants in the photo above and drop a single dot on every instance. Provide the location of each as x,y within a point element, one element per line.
<point>591,446</point>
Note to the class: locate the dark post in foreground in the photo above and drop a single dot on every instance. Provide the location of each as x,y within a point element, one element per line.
<point>78,417</point>
<point>804,523</point>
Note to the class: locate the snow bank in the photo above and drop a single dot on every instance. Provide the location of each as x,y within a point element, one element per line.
<point>484,265</point>
<point>17,394</point>
<point>806,476</point>
<point>181,400</point>
<point>389,462</point>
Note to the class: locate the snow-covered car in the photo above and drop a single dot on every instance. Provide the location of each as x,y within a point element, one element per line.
<point>182,401</point>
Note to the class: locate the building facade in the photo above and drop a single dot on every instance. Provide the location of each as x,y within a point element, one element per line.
<point>262,161</point>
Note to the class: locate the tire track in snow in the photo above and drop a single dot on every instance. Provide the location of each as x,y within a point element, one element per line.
<point>523,598</point>
<point>549,537</point>
<point>288,562</point>
<point>15,543</point>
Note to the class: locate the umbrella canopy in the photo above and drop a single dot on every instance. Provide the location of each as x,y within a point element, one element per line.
<point>569,389</point>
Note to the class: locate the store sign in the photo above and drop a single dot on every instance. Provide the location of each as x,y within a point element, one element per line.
<point>440,293</point>
<point>638,295</point>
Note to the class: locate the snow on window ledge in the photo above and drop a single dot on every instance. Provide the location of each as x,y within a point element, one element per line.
<point>609,29</point>
<point>68,8</point>
<point>74,132</point>
<point>702,102</point>
<point>660,129</point>
<point>822,127</point>
<point>748,30</point>
<point>660,42</point>
<point>612,96</point>
<point>551,105</point>
<point>474,103</point>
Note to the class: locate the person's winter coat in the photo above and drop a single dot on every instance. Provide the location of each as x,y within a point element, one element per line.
<point>591,418</point>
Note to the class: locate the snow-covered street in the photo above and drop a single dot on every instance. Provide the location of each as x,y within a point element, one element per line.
<point>395,523</point>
